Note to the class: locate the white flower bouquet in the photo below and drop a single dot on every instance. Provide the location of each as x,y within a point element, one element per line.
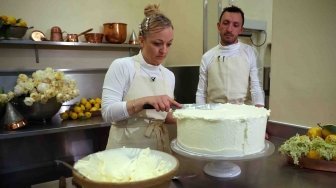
<point>44,85</point>
<point>5,97</point>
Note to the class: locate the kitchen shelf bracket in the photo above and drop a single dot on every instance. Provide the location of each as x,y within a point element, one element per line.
<point>37,57</point>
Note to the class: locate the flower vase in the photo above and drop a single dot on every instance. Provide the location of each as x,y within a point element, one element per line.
<point>38,111</point>
<point>2,110</point>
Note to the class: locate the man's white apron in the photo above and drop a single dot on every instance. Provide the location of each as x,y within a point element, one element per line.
<point>228,80</point>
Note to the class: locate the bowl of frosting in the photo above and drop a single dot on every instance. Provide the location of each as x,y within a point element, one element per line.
<point>126,167</point>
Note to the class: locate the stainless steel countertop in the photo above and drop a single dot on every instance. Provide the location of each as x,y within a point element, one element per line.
<point>56,125</point>
<point>271,171</point>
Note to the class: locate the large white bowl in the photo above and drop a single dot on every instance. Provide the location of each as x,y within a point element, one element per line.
<point>158,181</point>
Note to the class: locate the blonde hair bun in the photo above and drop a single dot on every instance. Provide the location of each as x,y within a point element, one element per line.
<point>152,9</point>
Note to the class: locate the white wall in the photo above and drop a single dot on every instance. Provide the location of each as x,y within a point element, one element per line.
<point>260,10</point>
<point>303,88</point>
<point>75,16</point>
<point>187,18</point>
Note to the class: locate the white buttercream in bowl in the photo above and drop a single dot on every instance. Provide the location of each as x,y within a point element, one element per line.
<point>123,165</point>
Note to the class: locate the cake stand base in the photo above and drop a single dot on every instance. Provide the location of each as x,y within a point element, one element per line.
<point>222,169</point>
<point>220,165</point>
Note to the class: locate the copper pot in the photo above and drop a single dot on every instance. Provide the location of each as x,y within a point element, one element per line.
<point>74,37</point>
<point>94,37</point>
<point>56,34</point>
<point>115,32</point>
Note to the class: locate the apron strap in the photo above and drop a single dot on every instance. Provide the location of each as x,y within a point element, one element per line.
<point>161,133</point>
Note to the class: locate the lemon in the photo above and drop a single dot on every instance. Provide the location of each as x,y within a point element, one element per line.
<point>4,18</point>
<point>314,132</point>
<point>331,138</point>
<point>88,114</point>
<point>73,115</point>
<point>83,100</point>
<point>313,154</point>
<point>11,20</point>
<point>78,109</point>
<point>88,106</point>
<point>81,115</point>
<point>92,101</point>
<point>325,133</point>
<point>21,23</point>
<point>96,105</point>
<point>64,115</point>
<point>82,107</point>
<point>93,109</point>
<point>98,100</point>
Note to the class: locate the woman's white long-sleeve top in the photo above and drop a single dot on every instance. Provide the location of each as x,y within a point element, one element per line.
<point>118,80</point>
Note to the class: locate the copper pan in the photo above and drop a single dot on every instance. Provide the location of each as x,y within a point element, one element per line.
<point>74,37</point>
<point>115,32</point>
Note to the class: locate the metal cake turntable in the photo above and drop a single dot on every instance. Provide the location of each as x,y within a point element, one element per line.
<point>221,165</point>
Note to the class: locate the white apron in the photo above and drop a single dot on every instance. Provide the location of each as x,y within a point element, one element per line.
<point>146,128</point>
<point>228,80</point>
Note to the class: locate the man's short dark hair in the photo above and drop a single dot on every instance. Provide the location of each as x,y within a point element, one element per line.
<point>232,9</point>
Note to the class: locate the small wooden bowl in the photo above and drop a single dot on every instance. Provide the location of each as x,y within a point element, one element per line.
<point>315,164</point>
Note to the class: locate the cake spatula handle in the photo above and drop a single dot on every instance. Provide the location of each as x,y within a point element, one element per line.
<point>148,106</point>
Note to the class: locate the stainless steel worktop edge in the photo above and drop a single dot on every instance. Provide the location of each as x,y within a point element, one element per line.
<point>274,128</point>
<point>56,125</point>
<point>284,130</point>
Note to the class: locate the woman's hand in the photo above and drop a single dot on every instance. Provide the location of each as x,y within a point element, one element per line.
<point>160,103</point>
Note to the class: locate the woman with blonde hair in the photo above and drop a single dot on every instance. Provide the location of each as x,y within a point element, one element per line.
<point>132,82</point>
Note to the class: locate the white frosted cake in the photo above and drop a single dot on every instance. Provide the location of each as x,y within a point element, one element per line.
<point>225,129</point>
